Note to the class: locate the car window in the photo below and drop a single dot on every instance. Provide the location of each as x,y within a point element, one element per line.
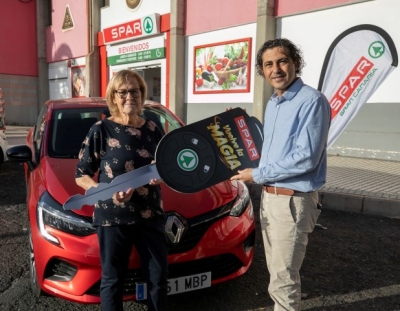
<point>69,128</point>
<point>163,118</point>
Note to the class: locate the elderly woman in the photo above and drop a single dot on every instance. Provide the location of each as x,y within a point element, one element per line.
<point>114,146</point>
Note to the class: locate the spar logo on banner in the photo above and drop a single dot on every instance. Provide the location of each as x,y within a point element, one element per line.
<point>356,64</point>
<point>355,83</point>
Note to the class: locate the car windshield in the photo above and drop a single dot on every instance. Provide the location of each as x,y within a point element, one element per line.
<point>69,127</point>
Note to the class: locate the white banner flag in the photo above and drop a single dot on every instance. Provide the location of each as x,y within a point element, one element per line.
<point>356,64</point>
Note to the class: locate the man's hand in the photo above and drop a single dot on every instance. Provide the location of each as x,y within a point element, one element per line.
<point>245,175</point>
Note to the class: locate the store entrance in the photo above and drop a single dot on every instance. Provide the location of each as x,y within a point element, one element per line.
<point>152,77</point>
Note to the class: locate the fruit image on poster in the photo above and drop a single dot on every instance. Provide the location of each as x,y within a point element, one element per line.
<point>222,67</point>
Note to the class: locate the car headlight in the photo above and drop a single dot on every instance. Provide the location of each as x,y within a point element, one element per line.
<point>242,201</point>
<point>51,214</point>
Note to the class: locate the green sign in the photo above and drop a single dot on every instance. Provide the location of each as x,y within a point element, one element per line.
<point>135,57</point>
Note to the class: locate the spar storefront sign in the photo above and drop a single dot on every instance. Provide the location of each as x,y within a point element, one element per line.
<point>141,27</point>
<point>356,64</point>
<point>138,51</point>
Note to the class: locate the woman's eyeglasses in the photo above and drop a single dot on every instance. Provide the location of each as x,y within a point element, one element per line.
<point>135,93</point>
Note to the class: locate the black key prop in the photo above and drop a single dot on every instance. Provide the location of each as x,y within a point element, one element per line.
<point>192,158</point>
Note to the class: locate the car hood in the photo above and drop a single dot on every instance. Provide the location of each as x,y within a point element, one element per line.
<point>59,176</point>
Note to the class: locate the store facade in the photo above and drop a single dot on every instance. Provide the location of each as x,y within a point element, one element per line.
<point>139,41</point>
<point>314,26</point>
<point>199,62</point>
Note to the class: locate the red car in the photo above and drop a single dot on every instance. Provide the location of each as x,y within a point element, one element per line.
<point>211,232</point>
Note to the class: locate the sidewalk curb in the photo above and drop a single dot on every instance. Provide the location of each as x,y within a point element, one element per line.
<point>347,202</point>
<point>360,204</point>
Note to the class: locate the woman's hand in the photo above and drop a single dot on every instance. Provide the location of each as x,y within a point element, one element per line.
<point>86,182</point>
<point>154,182</point>
<point>120,196</point>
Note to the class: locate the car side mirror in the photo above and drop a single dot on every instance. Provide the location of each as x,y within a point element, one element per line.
<point>21,154</point>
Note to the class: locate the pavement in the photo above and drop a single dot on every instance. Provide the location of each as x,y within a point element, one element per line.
<point>360,185</point>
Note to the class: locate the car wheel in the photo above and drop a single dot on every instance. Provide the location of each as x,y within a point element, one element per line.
<point>37,292</point>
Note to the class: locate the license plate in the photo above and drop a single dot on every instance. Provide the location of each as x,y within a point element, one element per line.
<point>179,285</point>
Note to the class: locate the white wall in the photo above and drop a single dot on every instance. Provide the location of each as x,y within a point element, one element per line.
<point>315,32</point>
<point>374,132</point>
<point>234,33</point>
<point>200,106</point>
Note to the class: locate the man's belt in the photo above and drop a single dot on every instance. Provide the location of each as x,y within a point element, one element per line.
<point>280,191</point>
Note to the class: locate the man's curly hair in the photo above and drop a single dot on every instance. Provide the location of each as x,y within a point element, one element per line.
<point>288,48</point>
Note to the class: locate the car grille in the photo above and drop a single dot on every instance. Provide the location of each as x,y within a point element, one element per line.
<point>219,266</point>
<point>196,227</point>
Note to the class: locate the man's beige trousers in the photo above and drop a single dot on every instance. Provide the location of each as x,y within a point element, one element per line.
<point>286,222</point>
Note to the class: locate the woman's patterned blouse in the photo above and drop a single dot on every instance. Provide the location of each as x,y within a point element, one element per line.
<point>112,149</point>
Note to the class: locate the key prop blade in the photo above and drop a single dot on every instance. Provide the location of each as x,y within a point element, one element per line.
<point>104,191</point>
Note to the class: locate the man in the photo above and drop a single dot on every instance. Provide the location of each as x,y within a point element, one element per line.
<point>292,167</point>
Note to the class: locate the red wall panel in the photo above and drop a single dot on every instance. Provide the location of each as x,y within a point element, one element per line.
<point>208,15</point>
<point>18,47</point>
<point>289,7</point>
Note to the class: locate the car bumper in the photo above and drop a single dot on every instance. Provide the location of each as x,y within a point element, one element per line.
<point>226,250</point>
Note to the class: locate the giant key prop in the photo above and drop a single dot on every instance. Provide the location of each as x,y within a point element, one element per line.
<point>191,158</point>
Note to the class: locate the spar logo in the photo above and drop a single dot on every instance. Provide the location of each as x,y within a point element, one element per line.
<point>247,138</point>
<point>376,49</point>
<point>139,27</point>
<point>148,25</point>
<point>353,84</point>
<point>123,31</point>
<point>187,160</point>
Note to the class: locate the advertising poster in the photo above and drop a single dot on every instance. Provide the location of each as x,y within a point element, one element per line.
<point>222,67</point>
<point>78,81</point>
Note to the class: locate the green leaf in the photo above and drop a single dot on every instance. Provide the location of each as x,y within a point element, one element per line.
<point>226,85</point>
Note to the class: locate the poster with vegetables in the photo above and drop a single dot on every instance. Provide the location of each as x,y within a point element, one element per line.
<point>222,67</point>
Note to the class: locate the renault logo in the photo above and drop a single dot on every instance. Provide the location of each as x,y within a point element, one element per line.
<point>174,229</point>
